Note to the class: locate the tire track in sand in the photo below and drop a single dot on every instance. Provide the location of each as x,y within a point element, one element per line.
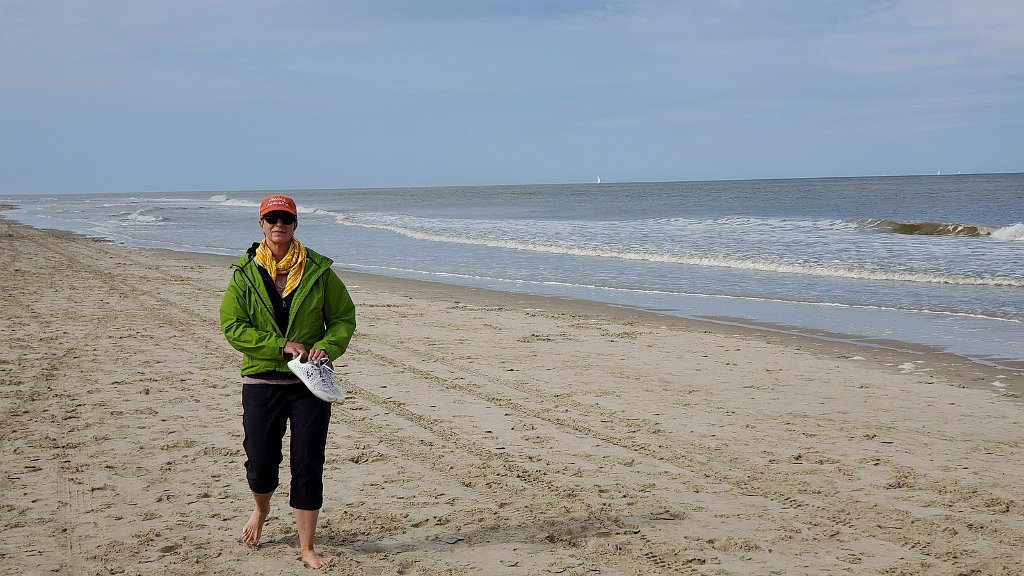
<point>500,480</point>
<point>818,504</point>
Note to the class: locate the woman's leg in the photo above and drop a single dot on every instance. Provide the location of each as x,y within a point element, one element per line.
<point>264,419</point>
<point>310,419</point>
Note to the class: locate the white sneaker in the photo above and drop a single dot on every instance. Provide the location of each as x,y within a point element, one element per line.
<point>319,378</point>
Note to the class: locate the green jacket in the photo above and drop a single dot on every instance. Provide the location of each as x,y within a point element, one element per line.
<point>321,315</point>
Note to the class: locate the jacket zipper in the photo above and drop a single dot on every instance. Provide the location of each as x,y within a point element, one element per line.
<point>299,297</point>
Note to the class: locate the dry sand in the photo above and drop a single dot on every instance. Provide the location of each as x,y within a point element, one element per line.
<point>487,434</point>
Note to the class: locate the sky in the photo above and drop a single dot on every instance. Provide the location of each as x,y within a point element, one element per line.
<point>166,95</point>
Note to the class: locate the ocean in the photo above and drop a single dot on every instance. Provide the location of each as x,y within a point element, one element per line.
<point>934,261</point>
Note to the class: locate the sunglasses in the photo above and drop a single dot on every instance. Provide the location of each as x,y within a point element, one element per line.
<point>273,219</point>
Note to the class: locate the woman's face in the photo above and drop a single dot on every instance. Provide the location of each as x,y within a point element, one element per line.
<point>278,227</point>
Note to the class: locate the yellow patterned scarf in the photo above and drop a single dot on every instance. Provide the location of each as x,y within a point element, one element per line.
<point>293,264</point>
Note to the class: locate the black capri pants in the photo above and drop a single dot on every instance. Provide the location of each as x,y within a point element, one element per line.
<point>266,411</point>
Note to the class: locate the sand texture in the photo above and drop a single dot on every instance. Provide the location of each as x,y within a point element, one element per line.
<point>486,434</point>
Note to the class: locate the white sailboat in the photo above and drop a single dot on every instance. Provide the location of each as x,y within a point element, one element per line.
<point>598,179</point>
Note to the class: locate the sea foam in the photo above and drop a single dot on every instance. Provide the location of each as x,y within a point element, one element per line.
<point>1010,233</point>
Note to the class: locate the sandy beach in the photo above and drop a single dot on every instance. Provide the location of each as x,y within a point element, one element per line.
<point>488,433</point>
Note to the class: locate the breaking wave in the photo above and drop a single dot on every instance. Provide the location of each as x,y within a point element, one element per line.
<point>225,201</point>
<point>141,217</point>
<point>1009,233</point>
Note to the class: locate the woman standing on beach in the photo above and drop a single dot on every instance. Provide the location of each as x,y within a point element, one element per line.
<point>285,301</point>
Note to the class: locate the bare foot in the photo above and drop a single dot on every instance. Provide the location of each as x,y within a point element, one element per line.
<point>315,561</point>
<point>253,529</point>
